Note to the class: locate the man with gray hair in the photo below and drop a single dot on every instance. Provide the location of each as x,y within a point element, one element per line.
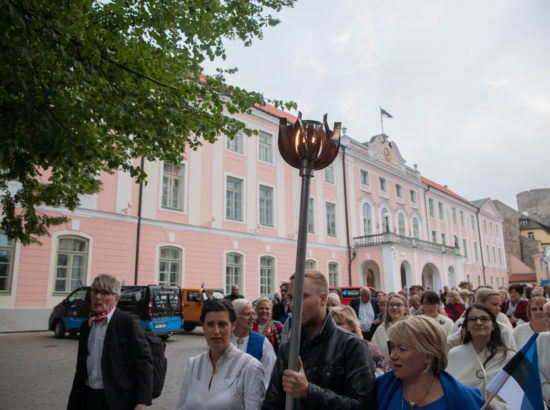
<point>112,372</point>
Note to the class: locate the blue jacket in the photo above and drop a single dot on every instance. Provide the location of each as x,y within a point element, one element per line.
<point>457,396</point>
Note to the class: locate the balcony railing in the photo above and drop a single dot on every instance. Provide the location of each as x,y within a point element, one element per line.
<point>390,238</point>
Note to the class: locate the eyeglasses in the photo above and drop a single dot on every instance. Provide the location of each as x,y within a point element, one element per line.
<point>474,319</point>
<point>397,305</point>
<point>250,314</point>
<point>102,292</point>
<point>537,309</point>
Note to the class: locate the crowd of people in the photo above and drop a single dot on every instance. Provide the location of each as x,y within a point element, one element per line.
<point>415,348</point>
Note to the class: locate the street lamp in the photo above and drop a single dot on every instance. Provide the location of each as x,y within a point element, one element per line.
<point>306,145</point>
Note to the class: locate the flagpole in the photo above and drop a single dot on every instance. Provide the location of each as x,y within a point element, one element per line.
<point>381,120</point>
<point>486,405</point>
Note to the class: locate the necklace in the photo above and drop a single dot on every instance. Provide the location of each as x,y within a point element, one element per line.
<point>413,404</point>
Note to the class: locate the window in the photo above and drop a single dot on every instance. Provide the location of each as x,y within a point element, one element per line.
<point>6,262</point>
<point>488,256</point>
<point>170,266</point>
<point>413,196</point>
<point>468,278</point>
<point>531,235</point>
<point>329,174</point>
<point>71,263</point>
<point>492,282</point>
<point>465,246</point>
<point>462,218</point>
<point>485,227</point>
<point>476,252</point>
<point>491,228</point>
<point>311,216</point>
<point>365,177</point>
<point>431,206</point>
<point>265,147</point>
<point>494,256</point>
<point>434,236</point>
<point>499,257</point>
<point>234,199</point>
<point>479,280</point>
<point>266,205</point>
<point>333,275</point>
<point>173,186</point>
<point>367,219</point>
<point>523,223</point>
<point>399,191</point>
<point>472,221</point>
<point>233,271</point>
<point>331,219</point>
<point>267,276</point>
<point>443,239</point>
<point>497,230</point>
<point>401,224</point>
<point>235,144</point>
<point>383,185</point>
<point>311,264</point>
<point>440,207</point>
<point>385,221</point>
<point>416,228</point>
<point>456,243</point>
<point>454,216</point>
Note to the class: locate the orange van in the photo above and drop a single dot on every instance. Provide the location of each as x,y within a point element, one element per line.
<point>192,303</point>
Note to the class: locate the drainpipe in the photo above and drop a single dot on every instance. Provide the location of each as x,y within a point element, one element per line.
<point>350,257</point>
<point>480,245</point>
<point>428,233</point>
<point>138,233</point>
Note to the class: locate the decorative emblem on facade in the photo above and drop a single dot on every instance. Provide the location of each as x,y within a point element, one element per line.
<point>387,154</point>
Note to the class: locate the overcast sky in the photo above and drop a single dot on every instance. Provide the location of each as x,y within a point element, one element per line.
<point>466,81</point>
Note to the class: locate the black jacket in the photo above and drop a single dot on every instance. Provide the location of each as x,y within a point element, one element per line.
<point>126,365</point>
<point>338,367</point>
<point>278,311</point>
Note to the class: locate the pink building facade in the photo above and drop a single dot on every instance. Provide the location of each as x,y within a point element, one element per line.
<point>229,214</point>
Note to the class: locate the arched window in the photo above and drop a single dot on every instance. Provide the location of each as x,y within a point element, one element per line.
<point>71,263</point>
<point>169,266</point>
<point>267,275</point>
<point>233,271</point>
<point>385,220</point>
<point>401,224</point>
<point>311,264</point>
<point>367,219</point>
<point>333,274</point>
<point>416,228</point>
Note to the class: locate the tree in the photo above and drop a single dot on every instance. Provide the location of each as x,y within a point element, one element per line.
<point>88,86</point>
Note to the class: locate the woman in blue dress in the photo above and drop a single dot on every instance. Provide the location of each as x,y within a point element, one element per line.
<point>418,380</point>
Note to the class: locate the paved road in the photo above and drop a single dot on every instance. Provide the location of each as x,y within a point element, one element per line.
<point>36,370</point>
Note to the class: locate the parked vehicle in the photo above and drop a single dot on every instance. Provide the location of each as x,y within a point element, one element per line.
<point>193,302</point>
<point>158,307</point>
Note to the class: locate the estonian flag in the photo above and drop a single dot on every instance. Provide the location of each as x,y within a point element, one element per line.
<point>384,113</point>
<point>518,383</point>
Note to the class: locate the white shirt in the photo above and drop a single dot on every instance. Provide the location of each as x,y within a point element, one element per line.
<point>236,383</point>
<point>366,316</point>
<point>96,339</point>
<point>268,354</point>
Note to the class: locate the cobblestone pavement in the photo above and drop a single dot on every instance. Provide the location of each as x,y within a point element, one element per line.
<point>36,370</point>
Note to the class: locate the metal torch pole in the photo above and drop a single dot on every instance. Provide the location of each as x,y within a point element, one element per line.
<point>306,172</point>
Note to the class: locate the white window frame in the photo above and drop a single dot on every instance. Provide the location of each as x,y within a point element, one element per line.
<point>178,262</point>
<point>383,184</point>
<point>455,220</point>
<point>8,245</point>
<point>265,147</point>
<point>329,174</point>
<point>262,207</point>
<point>465,245</point>
<point>399,191</point>
<point>242,266</point>
<point>182,195</point>
<point>364,177</point>
<point>416,230</point>
<point>242,199</point>
<point>331,225</point>
<point>431,207</point>
<point>262,280</point>
<point>311,225</point>
<point>235,145</point>
<point>441,210</point>
<point>333,275</point>
<point>86,255</point>
<point>413,196</point>
<point>312,262</point>
<point>368,220</point>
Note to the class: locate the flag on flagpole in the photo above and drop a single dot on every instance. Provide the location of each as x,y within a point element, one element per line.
<point>80,282</point>
<point>518,383</point>
<point>384,113</point>
<point>122,284</point>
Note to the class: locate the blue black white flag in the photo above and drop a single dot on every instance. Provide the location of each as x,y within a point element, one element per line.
<point>518,383</point>
<point>384,113</point>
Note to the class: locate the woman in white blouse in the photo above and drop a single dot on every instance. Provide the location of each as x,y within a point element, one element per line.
<point>222,378</point>
<point>397,308</point>
<point>536,324</point>
<point>431,303</point>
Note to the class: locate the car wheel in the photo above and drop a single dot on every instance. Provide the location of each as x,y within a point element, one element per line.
<point>189,328</point>
<point>59,330</point>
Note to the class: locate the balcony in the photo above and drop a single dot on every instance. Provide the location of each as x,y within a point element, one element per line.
<point>389,238</point>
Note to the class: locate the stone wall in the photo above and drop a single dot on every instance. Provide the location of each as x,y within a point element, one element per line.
<point>510,230</point>
<point>536,203</point>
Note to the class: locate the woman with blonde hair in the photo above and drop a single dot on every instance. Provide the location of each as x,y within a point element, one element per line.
<point>454,307</point>
<point>418,358</point>
<point>266,326</point>
<point>396,307</point>
<point>346,318</point>
<point>537,324</point>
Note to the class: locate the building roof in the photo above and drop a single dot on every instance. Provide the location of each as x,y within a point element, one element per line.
<point>443,189</point>
<point>532,224</point>
<point>276,112</point>
<point>478,203</point>
<point>517,267</point>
